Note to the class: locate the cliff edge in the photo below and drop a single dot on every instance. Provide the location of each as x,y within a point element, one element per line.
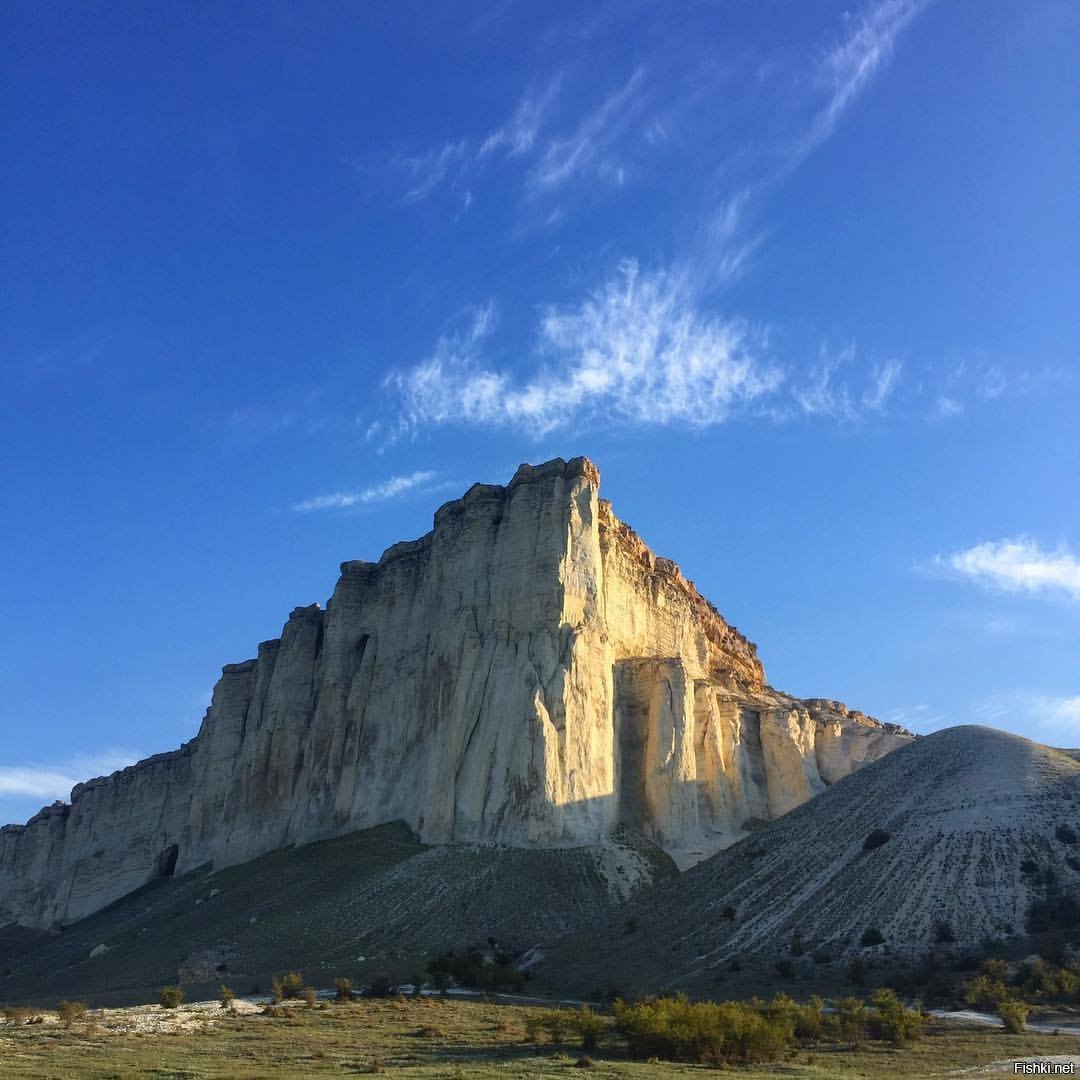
<point>528,673</point>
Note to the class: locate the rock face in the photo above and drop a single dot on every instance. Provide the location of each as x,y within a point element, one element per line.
<point>528,673</point>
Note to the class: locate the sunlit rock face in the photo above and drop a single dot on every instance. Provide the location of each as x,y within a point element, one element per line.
<point>528,673</point>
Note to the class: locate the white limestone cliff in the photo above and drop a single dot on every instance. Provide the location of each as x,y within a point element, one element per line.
<point>528,673</point>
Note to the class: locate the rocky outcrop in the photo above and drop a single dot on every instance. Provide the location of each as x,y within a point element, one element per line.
<point>528,673</point>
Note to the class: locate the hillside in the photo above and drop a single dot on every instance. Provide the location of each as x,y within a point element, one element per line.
<point>374,901</point>
<point>964,829</point>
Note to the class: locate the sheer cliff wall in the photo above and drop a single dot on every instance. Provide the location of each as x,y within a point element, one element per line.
<point>527,673</point>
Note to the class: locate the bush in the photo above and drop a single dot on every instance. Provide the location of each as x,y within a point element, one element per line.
<point>381,986</point>
<point>170,997</point>
<point>850,1020</point>
<point>70,1011</point>
<point>810,1019</point>
<point>289,986</point>
<point>716,1033</point>
<point>310,996</point>
<point>892,1022</point>
<point>987,990</point>
<point>491,972</point>
<point>17,1014</point>
<point>554,1023</point>
<point>785,968</point>
<point>1013,1015</point>
<point>589,1027</point>
<point>227,998</point>
<point>943,932</point>
<point>871,936</point>
<point>875,839</point>
<point>344,990</point>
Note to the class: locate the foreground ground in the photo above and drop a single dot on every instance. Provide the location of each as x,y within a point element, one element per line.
<point>433,1037</point>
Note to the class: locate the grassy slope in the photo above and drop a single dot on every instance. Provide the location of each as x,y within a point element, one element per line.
<point>432,1038</point>
<point>378,895</point>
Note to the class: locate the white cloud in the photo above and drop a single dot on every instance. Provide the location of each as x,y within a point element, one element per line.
<point>589,147</point>
<point>428,171</point>
<point>946,407</point>
<point>1016,565</point>
<point>55,781</point>
<point>388,489</point>
<point>826,394</point>
<point>848,67</point>
<point>1052,717</point>
<point>519,134</point>
<point>636,349</point>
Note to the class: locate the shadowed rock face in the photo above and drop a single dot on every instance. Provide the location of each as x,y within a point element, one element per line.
<point>528,673</point>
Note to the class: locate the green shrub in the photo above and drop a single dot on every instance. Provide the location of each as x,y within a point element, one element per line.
<point>810,1019</point>
<point>871,936</point>
<point>875,839</point>
<point>310,996</point>
<point>1013,1015</point>
<point>491,972</point>
<point>943,932</point>
<point>343,990</point>
<point>292,985</point>
<point>554,1023</point>
<point>170,997</point>
<point>712,1032</point>
<point>17,1014</point>
<point>785,968</point>
<point>227,998</point>
<point>589,1028</point>
<point>856,972</point>
<point>850,1021</point>
<point>891,1021</point>
<point>70,1011</point>
<point>382,985</point>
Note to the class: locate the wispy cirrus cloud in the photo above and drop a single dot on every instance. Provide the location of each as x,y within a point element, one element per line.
<point>590,147</point>
<point>55,780</point>
<point>1054,716</point>
<point>427,171</point>
<point>376,493</point>
<point>1016,565</point>
<point>519,134</point>
<point>847,68</point>
<point>827,392</point>
<point>638,349</point>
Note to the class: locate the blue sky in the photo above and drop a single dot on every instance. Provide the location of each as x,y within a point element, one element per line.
<point>278,279</point>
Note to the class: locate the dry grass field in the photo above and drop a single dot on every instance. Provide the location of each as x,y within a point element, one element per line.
<point>433,1037</point>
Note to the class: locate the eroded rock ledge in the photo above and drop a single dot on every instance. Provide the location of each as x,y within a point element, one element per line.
<point>528,673</point>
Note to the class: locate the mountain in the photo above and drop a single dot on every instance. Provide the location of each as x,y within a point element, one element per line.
<point>964,836</point>
<point>527,674</point>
